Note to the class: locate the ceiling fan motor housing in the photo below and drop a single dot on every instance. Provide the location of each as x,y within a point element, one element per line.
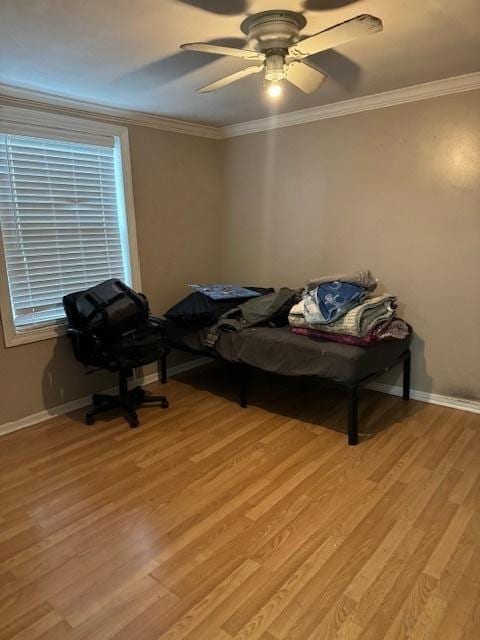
<point>273,30</point>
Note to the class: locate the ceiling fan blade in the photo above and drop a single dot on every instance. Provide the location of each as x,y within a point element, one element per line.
<point>363,25</point>
<point>304,76</point>
<point>246,54</point>
<point>223,82</point>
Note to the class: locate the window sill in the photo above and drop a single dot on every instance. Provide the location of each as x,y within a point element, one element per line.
<point>14,338</point>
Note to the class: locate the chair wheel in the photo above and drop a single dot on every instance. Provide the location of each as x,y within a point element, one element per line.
<point>164,404</point>
<point>89,420</point>
<point>134,423</point>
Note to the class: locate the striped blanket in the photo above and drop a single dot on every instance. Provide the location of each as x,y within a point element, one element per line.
<point>359,321</point>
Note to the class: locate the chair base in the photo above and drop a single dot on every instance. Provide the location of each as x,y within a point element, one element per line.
<point>128,401</point>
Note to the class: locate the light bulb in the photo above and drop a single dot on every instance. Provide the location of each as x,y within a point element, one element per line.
<point>274,89</point>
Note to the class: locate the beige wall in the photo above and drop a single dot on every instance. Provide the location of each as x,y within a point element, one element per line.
<point>395,190</point>
<point>177,194</point>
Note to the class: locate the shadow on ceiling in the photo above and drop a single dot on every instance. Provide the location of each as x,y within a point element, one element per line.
<point>339,69</point>
<point>165,70</point>
<point>238,7</point>
<point>222,7</point>
<point>326,5</point>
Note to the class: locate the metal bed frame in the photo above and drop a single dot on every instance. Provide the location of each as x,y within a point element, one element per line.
<point>353,388</point>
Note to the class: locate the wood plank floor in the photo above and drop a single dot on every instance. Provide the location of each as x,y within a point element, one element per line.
<point>210,522</point>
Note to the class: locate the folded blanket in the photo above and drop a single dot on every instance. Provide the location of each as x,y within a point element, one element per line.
<point>330,301</point>
<point>357,322</point>
<point>364,279</point>
<point>396,329</point>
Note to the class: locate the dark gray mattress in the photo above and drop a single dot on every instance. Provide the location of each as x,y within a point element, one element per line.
<point>281,351</point>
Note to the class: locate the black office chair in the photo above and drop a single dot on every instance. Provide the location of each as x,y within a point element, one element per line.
<point>111,327</point>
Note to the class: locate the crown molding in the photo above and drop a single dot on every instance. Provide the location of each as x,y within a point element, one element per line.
<point>15,96</point>
<point>414,93</point>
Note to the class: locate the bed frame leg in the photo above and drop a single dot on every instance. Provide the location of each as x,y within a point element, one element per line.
<point>163,369</point>
<point>353,415</point>
<point>406,376</point>
<point>243,379</point>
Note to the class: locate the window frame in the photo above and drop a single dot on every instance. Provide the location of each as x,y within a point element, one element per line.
<point>30,122</point>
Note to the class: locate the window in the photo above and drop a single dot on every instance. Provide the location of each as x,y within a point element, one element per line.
<point>63,220</point>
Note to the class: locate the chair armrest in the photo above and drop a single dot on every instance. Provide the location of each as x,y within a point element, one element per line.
<point>86,345</point>
<point>158,322</point>
<point>78,334</point>
<point>75,332</point>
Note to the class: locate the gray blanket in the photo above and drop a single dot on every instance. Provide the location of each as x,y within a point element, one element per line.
<point>364,279</point>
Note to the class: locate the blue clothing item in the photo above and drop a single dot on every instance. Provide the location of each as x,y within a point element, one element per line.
<point>224,291</point>
<point>330,301</point>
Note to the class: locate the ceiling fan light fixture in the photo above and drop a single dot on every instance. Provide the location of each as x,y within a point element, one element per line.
<point>274,67</point>
<point>274,89</point>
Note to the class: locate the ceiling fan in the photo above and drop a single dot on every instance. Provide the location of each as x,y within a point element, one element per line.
<point>273,39</point>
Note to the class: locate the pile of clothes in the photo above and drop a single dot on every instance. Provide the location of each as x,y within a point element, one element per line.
<point>343,308</point>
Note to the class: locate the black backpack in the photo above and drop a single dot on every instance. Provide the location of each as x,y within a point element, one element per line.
<point>111,322</point>
<point>110,307</point>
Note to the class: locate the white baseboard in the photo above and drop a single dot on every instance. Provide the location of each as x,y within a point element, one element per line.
<point>472,406</point>
<point>431,398</point>
<point>173,371</point>
<point>62,409</point>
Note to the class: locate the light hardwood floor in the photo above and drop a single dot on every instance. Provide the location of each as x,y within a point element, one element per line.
<point>210,522</point>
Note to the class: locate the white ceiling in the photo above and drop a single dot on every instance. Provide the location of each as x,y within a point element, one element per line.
<point>124,53</point>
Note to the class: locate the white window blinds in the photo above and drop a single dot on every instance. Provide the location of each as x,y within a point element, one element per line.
<point>62,221</point>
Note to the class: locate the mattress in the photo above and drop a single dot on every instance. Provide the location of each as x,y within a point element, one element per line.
<point>278,350</point>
